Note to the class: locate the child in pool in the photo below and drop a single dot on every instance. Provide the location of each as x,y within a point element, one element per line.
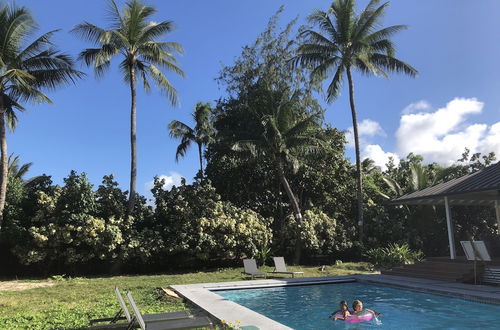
<point>342,313</point>
<point>357,306</point>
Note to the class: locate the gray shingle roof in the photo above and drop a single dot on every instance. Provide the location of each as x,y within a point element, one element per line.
<point>481,187</point>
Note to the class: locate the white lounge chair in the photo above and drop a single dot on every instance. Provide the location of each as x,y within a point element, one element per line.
<point>250,267</point>
<point>280,267</point>
<point>148,323</point>
<point>130,322</point>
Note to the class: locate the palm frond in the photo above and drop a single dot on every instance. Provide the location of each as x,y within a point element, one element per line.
<point>144,75</point>
<point>384,33</point>
<point>135,14</point>
<point>89,32</point>
<point>302,127</point>
<point>393,64</point>
<point>182,149</point>
<point>17,24</point>
<point>36,46</point>
<point>99,58</point>
<point>335,86</point>
<point>385,46</point>
<point>114,15</point>
<point>367,67</point>
<point>23,94</point>
<point>322,70</point>
<point>165,61</point>
<point>322,19</point>
<point>368,19</point>
<point>250,146</point>
<point>343,11</point>
<point>163,83</point>
<point>155,30</point>
<point>180,130</point>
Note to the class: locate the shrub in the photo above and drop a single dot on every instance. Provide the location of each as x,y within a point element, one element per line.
<point>317,232</point>
<point>230,232</point>
<point>393,256</point>
<point>65,231</point>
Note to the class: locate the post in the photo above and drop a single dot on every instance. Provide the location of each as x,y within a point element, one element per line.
<point>497,209</point>
<point>449,224</point>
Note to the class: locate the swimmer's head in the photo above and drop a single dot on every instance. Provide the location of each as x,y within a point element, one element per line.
<point>357,305</point>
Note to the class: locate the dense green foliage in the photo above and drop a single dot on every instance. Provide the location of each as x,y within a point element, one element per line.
<point>68,228</point>
<point>393,255</point>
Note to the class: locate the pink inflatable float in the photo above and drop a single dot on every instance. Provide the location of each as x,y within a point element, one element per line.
<point>363,317</point>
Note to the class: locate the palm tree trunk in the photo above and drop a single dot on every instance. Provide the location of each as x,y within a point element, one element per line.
<point>3,161</point>
<point>296,210</point>
<point>200,152</point>
<point>133,143</point>
<point>359,179</point>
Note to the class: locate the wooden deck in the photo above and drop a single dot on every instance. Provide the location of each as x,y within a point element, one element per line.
<point>445,269</point>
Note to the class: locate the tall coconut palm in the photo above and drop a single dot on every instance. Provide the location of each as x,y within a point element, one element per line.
<point>286,135</point>
<point>27,68</point>
<point>201,134</point>
<point>345,42</point>
<point>133,37</point>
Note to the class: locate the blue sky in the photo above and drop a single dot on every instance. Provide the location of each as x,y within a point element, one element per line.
<point>453,103</point>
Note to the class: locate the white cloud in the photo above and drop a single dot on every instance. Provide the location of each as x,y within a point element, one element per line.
<point>441,136</point>
<point>419,106</point>
<point>491,142</point>
<point>366,128</point>
<point>173,179</point>
<point>379,156</point>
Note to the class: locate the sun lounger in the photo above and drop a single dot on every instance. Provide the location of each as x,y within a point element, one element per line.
<point>280,267</point>
<point>250,268</point>
<point>124,314</point>
<point>147,323</point>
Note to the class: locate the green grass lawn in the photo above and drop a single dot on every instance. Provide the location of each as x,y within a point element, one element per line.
<point>71,302</point>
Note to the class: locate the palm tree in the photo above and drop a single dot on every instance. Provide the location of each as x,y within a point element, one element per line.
<point>346,42</point>
<point>134,38</point>
<point>17,171</point>
<point>26,69</point>
<point>201,134</point>
<point>287,134</point>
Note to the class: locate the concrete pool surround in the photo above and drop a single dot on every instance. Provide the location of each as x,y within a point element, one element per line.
<point>205,295</point>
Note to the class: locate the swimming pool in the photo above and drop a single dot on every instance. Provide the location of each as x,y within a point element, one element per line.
<point>308,307</point>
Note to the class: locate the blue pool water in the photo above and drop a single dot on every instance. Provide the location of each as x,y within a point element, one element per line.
<point>308,307</point>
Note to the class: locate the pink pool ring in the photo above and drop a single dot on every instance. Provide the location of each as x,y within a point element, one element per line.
<point>363,317</point>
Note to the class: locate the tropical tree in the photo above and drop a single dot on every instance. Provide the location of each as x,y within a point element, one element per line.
<point>133,37</point>
<point>26,69</point>
<point>345,42</point>
<point>201,134</point>
<point>287,134</point>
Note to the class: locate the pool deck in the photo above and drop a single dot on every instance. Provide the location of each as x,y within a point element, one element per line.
<point>479,293</point>
<point>203,295</point>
